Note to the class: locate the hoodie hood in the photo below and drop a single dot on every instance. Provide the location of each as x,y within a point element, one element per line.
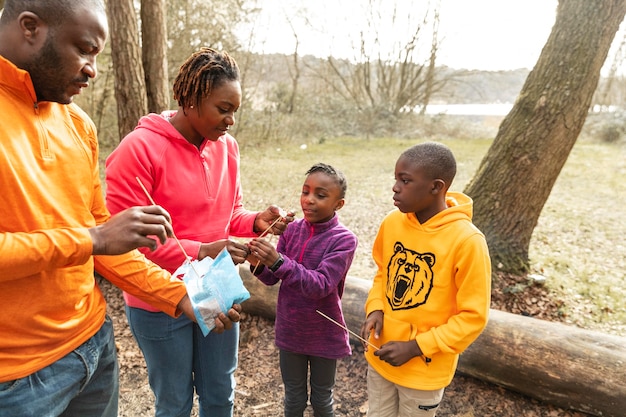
<point>460,207</point>
<point>160,124</point>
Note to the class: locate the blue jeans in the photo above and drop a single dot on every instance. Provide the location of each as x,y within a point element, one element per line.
<point>84,383</point>
<point>179,358</point>
<point>294,369</point>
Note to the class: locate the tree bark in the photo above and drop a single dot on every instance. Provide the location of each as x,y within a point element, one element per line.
<point>154,54</point>
<point>130,89</point>
<point>561,365</point>
<point>516,176</point>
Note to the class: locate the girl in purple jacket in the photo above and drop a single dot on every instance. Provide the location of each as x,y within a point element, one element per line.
<point>311,260</point>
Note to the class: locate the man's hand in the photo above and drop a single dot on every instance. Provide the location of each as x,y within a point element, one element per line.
<point>130,229</point>
<point>186,307</point>
<point>374,322</point>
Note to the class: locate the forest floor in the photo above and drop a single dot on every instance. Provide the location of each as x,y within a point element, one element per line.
<point>577,246</point>
<point>259,386</point>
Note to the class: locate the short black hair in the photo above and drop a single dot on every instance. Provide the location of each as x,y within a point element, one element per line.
<point>203,71</point>
<point>436,159</point>
<point>53,12</point>
<point>335,174</point>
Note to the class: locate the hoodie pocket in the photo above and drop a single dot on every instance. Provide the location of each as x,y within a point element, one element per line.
<point>396,330</point>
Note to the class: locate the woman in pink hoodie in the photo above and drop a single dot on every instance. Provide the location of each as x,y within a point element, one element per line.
<point>189,164</point>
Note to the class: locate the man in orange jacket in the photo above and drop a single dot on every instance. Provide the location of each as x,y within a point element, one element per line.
<point>57,352</point>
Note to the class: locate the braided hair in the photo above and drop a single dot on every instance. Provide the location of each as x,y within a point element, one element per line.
<point>335,174</point>
<point>203,71</point>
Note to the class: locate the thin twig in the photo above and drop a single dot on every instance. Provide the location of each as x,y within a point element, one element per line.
<point>270,226</point>
<point>173,235</point>
<point>349,331</point>
<point>263,234</point>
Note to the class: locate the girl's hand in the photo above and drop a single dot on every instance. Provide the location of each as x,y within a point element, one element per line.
<point>263,251</point>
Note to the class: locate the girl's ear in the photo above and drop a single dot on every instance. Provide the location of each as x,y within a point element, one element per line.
<point>339,204</point>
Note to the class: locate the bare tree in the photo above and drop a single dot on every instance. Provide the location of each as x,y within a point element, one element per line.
<point>385,79</point>
<point>432,61</point>
<point>193,24</point>
<point>154,54</point>
<point>611,89</point>
<point>294,70</point>
<point>129,76</point>
<point>518,172</point>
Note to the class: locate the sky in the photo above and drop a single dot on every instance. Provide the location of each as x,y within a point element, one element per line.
<point>475,34</point>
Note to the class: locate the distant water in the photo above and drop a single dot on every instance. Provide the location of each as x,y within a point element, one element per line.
<point>493,109</point>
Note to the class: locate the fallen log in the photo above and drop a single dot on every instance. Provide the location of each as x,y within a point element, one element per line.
<point>561,365</point>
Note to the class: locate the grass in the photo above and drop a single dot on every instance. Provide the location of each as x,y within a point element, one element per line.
<point>577,245</point>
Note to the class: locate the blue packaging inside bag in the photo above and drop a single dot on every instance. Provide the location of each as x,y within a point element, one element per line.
<point>215,291</point>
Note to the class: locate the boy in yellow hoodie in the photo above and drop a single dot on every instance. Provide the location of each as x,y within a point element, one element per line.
<point>430,297</point>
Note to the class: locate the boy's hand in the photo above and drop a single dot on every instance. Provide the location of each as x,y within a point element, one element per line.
<point>374,322</point>
<point>398,353</point>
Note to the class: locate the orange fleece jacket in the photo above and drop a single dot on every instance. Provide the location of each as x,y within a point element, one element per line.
<point>51,195</point>
<point>433,285</point>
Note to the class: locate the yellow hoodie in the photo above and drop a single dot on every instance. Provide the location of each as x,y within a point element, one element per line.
<point>433,285</point>
<point>50,196</point>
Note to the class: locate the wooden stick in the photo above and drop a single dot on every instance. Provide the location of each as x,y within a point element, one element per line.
<point>263,234</point>
<point>348,330</point>
<point>270,226</point>
<point>187,257</point>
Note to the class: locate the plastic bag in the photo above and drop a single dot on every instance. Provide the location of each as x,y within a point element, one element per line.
<point>216,290</point>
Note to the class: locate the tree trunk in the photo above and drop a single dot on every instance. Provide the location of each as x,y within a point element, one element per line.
<point>561,365</point>
<point>130,90</point>
<point>516,176</point>
<point>154,54</point>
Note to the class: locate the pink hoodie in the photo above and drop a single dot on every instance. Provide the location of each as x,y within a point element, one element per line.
<point>201,189</point>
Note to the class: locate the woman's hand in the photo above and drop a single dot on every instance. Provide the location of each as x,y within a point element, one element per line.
<point>273,220</point>
<point>225,321</point>
<point>238,251</point>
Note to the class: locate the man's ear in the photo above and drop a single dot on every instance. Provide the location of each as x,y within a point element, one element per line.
<point>32,27</point>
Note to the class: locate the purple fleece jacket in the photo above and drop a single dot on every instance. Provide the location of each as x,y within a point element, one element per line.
<point>317,259</point>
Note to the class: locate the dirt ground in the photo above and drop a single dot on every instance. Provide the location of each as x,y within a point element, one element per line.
<point>259,386</point>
